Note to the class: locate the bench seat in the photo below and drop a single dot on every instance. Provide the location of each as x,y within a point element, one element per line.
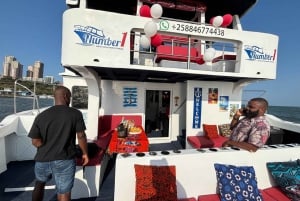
<point>88,179</point>
<point>198,142</point>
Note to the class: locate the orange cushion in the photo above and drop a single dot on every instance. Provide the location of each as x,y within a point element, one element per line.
<point>210,131</point>
<point>155,183</point>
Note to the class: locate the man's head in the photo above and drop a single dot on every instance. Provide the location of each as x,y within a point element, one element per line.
<point>62,95</point>
<point>256,107</point>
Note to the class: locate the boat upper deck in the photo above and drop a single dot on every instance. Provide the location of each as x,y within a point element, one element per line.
<point>183,40</point>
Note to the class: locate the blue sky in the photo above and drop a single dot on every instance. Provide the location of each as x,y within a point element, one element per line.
<point>32,31</point>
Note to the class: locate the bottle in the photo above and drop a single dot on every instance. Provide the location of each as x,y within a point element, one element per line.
<point>121,131</point>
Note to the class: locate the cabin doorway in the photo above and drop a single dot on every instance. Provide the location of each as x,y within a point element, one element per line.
<point>157,113</point>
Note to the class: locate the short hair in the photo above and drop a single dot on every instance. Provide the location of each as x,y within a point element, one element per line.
<point>59,90</point>
<point>263,102</point>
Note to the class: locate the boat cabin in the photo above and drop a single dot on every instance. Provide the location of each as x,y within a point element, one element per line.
<point>133,62</point>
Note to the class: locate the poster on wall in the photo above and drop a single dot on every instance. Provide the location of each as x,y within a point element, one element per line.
<point>212,95</point>
<point>224,103</point>
<point>197,107</point>
<point>129,97</point>
<point>233,109</point>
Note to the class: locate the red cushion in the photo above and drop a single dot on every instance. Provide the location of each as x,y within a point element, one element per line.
<point>266,196</point>
<point>155,183</point>
<point>200,142</point>
<point>210,131</point>
<point>177,53</point>
<point>210,197</point>
<point>276,193</point>
<point>218,142</point>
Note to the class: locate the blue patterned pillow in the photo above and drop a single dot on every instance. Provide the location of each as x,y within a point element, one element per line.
<point>287,176</point>
<point>237,183</point>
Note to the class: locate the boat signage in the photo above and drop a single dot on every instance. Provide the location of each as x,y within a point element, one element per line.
<point>197,107</point>
<point>194,29</point>
<point>90,35</point>
<point>258,54</point>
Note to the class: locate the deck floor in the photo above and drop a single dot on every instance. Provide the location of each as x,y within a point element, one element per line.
<point>20,174</point>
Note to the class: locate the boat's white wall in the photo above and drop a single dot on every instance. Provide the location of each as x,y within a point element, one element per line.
<point>210,113</point>
<point>70,81</point>
<point>112,102</point>
<point>182,114</point>
<point>195,173</point>
<point>3,166</point>
<point>8,126</point>
<point>14,143</point>
<point>115,51</point>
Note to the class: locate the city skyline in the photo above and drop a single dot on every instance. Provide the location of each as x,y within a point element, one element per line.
<point>14,69</point>
<point>41,27</point>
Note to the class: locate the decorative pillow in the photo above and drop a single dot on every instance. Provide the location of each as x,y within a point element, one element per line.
<point>210,131</point>
<point>155,183</point>
<point>237,183</point>
<point>224,130</point>
<point>287,177</point>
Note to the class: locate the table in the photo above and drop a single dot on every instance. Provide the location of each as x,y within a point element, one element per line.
<point>132,143</point>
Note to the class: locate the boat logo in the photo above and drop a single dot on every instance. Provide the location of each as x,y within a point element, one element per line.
<point>92,36</point>
<point>258,54</point>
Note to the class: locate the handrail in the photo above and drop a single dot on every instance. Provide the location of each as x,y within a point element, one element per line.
<point>35,97</point>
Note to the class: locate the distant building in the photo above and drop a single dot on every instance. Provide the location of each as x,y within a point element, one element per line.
<point>35,72</point>
<point>38,71</point>
<point>49,79</point>
<point>12,68</point>
<point>29,72</point>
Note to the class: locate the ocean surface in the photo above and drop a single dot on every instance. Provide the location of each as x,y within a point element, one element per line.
<point>7,107</point>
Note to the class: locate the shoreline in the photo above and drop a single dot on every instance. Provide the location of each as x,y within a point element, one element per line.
<point>39,96</point>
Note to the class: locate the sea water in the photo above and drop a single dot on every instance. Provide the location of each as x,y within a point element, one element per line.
<point>7,107</point>
<point>285,112</point>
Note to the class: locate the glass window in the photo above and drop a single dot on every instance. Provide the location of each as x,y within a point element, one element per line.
<point>80,97</point>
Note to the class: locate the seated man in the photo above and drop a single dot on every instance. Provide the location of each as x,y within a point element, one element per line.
<point>252,131</point>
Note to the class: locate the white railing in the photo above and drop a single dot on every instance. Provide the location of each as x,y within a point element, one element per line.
<point>34,96</point>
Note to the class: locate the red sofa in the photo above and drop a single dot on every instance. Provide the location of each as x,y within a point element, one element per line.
<point>106,126</point>
<point>177,53</point>
<point>268,194</point>
<point>213,136</point>
<point>198,142</point>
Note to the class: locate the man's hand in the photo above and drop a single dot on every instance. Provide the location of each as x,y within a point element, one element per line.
<point>242,145</point>
<point>85,159</point>
<point>82,141</point>
<point>37,142</point>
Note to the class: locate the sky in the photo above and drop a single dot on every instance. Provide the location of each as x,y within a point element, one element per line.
<point>32,32</point>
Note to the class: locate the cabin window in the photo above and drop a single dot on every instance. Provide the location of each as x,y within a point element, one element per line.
<point>80,97</point>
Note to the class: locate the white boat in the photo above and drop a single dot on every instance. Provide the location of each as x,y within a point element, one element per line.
<point>125,59</point>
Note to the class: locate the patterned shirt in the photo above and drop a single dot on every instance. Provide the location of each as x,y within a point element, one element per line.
<point>255,131</point>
